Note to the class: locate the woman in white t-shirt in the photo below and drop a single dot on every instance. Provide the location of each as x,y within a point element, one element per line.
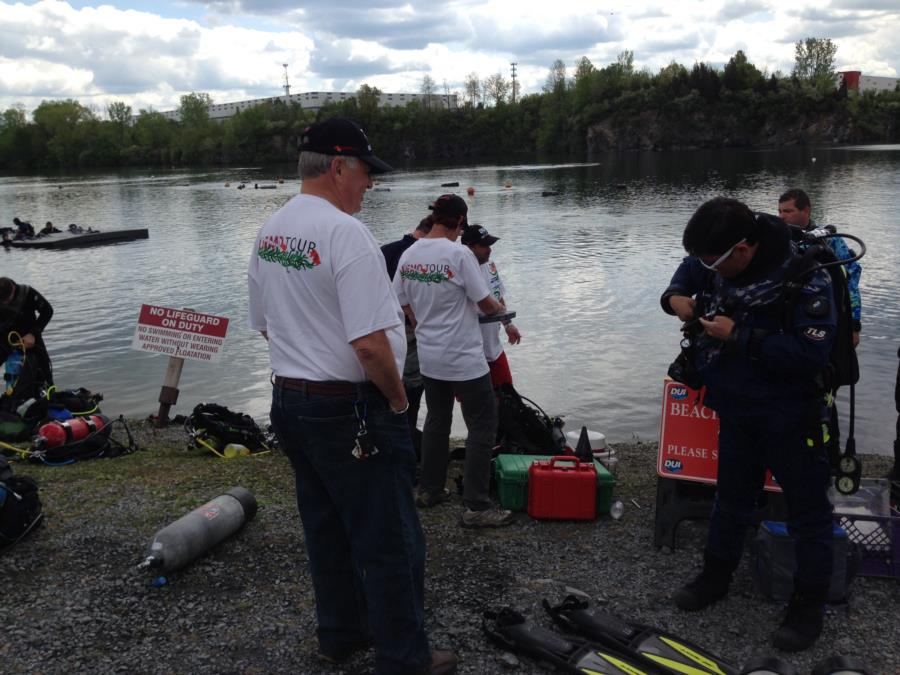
<point>439,284</point>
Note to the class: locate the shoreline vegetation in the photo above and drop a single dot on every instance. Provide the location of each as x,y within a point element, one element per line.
<point>591,110</point>
<point>74,602</point>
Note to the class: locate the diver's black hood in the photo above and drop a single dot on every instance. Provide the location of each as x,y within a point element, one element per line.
<point>774,246</point>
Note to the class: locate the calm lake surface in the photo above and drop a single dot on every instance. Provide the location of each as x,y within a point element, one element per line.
<point>584,270</point>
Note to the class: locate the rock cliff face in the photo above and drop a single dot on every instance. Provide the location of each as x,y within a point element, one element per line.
<point>650,131</point>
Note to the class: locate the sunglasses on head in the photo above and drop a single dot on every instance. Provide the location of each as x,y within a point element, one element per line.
<point>722,258</point>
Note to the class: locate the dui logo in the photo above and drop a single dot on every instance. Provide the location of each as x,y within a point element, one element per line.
<point>817,334</point>
<point>678,393</point>
<point>673,465</point>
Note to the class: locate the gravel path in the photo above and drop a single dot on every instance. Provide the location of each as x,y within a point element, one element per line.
<point>72,603</point>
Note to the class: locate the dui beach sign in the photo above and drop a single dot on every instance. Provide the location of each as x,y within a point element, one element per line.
<point>689,437</point>
<point>182,333</point>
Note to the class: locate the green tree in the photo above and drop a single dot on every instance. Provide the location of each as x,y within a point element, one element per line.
<point>13,118</point>
<point>154,134</point>
<point>426,88</point>
<point>194,109</point>
<point>59,123</point>
<point>740,74</point>
<point>196,131</point>
<point>120,117</point>
<point>497,87</point>
<point>581,86</point>
<point>814,59</point>
<point>556,78</point>
<point>368,98</point>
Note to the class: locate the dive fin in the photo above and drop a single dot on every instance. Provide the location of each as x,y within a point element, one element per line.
<point>509,629</point>
<point>666,652</point>
<point>768,665</point>
<point>841,665</point>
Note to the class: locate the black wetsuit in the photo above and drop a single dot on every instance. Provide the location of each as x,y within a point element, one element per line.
<point>27,312</point>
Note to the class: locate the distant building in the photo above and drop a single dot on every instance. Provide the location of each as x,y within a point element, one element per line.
<point>859,83</point>
<point>314,100</point>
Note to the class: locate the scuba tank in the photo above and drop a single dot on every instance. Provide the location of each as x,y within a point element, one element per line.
<point>55,433</point>
<point>193,534</point>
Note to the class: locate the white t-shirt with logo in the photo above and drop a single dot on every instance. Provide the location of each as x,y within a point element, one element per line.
<point>318,281</point>
<point>490,332</point>
<point>440,280</point>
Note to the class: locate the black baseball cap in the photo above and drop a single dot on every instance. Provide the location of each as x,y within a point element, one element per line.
<point>477,235</point>
<point>449,205</point>
<point>340,136</point>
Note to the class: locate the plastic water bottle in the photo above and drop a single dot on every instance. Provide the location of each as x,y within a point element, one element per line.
<point>616,510</point>
<point>235,450</point>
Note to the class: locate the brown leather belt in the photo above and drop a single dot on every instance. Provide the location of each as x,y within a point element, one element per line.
<point>332,388</point>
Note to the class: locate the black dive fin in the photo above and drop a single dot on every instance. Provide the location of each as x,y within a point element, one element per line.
<point>768,665</point>
<point>510,630</point>
<point>666,652</point>
<point>841,665</point>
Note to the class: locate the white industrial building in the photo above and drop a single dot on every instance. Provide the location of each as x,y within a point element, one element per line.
<point>313,100</point>
<point>858,82</point>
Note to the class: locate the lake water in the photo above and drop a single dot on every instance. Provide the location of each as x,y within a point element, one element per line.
<point>584,270</point>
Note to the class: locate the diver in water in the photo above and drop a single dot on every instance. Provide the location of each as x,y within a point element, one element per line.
<point>24,230</point>
<point>24,314</point>
<point>49,228</point>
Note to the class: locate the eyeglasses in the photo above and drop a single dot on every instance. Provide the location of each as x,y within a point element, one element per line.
<point>722,258</point>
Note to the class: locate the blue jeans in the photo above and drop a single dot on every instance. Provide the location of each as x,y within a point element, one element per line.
<point>365,544</point>
<point>746,450</point>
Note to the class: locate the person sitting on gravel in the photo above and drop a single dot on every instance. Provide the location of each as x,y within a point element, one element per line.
<point>438,283</point>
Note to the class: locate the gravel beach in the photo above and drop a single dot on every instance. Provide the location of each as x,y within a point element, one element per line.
<point>72,601</point>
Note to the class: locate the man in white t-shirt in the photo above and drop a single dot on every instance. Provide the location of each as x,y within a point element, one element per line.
<point>320,295</point>
<point>439,285</point>
<point>479,242</point>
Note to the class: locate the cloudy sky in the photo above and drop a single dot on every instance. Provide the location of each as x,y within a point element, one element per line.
<point>148,53</point>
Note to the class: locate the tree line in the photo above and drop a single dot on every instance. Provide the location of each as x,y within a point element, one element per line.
<point>614,107</point>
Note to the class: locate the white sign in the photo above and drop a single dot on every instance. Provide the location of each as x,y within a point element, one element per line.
<point>179,332</point>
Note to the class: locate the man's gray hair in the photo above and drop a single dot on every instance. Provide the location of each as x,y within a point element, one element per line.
<point>314,164</point>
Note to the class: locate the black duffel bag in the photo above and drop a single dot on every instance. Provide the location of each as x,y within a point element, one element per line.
<point>20,506</point>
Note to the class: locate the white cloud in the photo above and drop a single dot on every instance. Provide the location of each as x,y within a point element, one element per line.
<point>234,49</point>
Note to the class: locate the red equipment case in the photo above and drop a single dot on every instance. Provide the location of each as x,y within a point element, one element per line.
<point>562,489</point>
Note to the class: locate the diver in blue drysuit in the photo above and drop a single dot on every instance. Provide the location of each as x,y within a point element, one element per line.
<point>761,373</point>
<point>794,208</point>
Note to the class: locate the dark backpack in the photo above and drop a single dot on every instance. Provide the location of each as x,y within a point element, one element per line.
<point>524,428</point>
<point>211,421</point>
<point>20,507</point>
<point>843,365</point>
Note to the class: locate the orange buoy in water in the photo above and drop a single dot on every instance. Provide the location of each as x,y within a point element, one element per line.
<point>470,191</point>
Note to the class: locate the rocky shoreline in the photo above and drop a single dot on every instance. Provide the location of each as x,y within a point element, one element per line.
<point>72,600</point>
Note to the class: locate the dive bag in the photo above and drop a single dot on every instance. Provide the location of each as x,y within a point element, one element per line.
<point>524,428</point>
<point>214,426</point>
<point>20,506</point>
